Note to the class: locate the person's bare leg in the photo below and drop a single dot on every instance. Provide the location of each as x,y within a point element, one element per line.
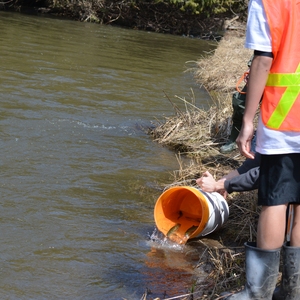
<point>271,227</point>
<point>295,236</point>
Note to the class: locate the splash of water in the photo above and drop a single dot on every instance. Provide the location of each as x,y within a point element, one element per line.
<point>158,240</point>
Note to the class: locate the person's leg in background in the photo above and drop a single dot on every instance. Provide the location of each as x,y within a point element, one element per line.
<point>238,106</point>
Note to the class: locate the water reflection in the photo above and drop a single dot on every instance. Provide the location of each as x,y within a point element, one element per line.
<point>170,266</point>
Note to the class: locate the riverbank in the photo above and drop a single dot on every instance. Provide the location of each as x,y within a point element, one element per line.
<point>170,17</point>
<point>197,134</point>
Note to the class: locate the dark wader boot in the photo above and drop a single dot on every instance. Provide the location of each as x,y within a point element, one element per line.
<point>261,274</point>
<point>290,284</point>
<point>238,106</point>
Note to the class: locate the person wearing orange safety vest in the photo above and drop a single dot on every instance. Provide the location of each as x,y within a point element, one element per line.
<point>273,32</point>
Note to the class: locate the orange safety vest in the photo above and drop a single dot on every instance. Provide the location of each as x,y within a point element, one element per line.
<point>280,108</point>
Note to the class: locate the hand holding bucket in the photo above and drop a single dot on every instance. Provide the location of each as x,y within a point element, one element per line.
<point>184,212</point>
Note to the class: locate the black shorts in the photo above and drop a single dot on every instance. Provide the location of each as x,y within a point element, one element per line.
<point>279,179</point>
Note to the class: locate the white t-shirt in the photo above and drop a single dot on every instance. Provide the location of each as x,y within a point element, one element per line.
<point>258,37</point>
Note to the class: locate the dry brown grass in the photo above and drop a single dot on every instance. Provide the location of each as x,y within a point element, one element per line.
<point>221,70</point>
<point>196,135</point>
<point>194,130</point>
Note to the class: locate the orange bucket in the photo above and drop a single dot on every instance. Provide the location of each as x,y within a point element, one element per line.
<point>184,212</point>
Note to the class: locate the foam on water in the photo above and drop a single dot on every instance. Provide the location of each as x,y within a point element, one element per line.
<point>158,240</point>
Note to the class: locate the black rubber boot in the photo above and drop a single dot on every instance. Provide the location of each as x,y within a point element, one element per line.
<point>238,107</point>
<point>235,131</point>
<point>261,274</point>
<point>290,284</point>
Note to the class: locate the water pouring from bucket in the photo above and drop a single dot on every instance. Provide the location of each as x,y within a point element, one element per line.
<point>184,212</point>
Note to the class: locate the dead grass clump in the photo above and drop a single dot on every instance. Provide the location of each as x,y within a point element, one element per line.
<point>196,132</point>
<point>221,70</point>
<point>226,271</point>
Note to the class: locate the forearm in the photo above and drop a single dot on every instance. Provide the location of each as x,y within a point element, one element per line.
<point>231,174</point>
<point>244,182</point>
<point>259,72</point>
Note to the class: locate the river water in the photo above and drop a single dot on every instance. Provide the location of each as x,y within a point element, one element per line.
<point>79,176</point>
